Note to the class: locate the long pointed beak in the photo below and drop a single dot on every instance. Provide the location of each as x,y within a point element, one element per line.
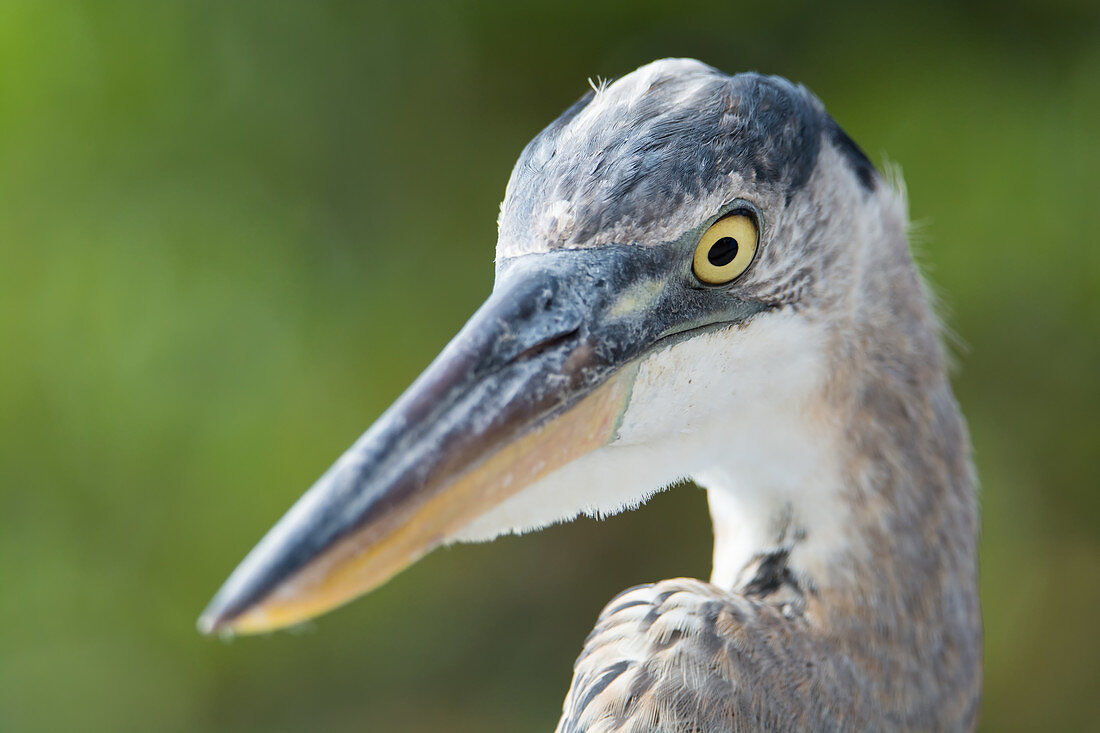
<point>540,375</point>
<point>524,388</point>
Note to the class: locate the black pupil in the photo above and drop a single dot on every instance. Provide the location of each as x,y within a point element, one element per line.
<point>722,252</point>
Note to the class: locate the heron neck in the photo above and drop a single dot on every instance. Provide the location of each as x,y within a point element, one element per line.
<point>870,520</point>
<point>875,504</point>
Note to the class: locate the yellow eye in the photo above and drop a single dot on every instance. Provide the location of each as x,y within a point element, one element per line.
<point>726,250</point>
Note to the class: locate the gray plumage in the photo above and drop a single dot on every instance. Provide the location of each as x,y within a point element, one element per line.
<point>892,639</point>
<point>806,391</point>
<point>634,163</point>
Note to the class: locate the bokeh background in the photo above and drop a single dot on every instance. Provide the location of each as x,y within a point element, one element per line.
<point>232,233</point>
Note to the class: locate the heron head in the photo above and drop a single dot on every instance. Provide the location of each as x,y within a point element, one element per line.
<point>663,252</point>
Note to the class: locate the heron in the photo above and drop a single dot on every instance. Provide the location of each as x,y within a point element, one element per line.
<point>698,276</point>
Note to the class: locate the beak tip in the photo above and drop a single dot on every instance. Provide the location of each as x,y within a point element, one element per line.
<point>210,622</point>
<point>217,618</point>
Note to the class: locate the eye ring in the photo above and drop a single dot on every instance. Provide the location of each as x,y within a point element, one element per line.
<point>726,249</point>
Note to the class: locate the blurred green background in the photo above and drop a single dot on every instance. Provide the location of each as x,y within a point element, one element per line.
<point>231,233</point>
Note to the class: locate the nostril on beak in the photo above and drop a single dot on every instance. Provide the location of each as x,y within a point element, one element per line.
<point>545,345</point>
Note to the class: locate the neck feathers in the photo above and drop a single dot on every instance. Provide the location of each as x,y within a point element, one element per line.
<point>875,543</point>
